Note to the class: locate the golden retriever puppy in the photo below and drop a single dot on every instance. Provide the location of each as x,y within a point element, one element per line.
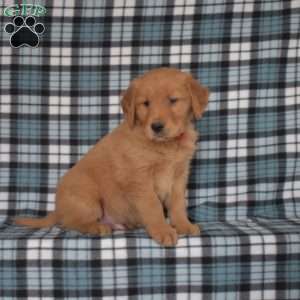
<point>131,175</point>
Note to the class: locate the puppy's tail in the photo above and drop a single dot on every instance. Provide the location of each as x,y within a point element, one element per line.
<point>48,221</point>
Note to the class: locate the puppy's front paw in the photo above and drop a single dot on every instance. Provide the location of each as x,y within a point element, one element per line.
<point>187,228</point>
<point>164,235</point>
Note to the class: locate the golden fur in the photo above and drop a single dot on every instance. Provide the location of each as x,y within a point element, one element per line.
<point>129,177</point>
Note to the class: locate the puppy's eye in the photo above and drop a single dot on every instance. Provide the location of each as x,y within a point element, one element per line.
<point>146,103</point>
<point>173,100</point>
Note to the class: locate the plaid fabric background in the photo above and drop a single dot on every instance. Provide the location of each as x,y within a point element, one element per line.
<point>58,99</point>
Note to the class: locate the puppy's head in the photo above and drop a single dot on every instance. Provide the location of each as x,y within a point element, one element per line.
<point>163,102</point>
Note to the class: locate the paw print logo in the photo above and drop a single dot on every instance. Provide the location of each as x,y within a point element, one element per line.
<point>24,32</point>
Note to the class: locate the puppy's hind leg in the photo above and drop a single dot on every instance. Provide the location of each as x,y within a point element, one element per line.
<point>81,212</point>
<point>94,228</point>
<point>85,219</point>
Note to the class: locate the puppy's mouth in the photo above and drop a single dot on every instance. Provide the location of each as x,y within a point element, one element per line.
<point>164,136</point>
<point>160,138</point>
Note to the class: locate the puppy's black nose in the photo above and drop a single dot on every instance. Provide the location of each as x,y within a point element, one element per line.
<point>157,127</point>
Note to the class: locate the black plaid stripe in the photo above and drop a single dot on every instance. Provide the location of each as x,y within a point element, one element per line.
<point>251,189</point>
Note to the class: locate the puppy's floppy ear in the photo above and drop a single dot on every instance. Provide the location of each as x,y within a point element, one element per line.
<point>199,96</point>
<point>128,104</point>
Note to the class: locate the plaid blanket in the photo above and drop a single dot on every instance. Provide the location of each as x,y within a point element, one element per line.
<point>60,96</point>
<point>231,260</point>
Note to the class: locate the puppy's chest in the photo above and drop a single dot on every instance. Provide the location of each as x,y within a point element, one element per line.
<point>163,181</point>
<point>164,175</point>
